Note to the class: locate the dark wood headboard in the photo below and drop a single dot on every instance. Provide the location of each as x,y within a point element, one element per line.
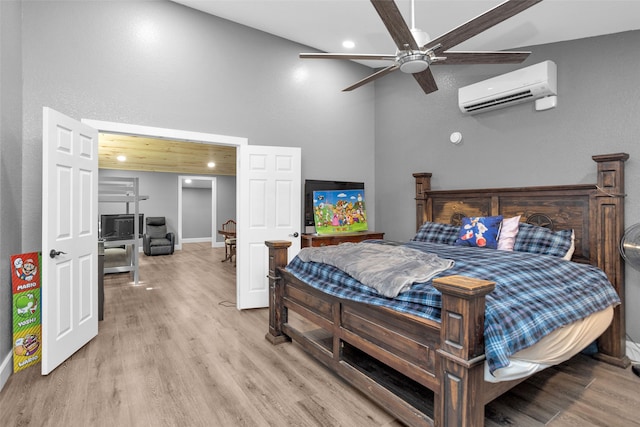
<point>594,211</point>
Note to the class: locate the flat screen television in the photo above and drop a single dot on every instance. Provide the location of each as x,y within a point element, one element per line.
<point>119,226</point>
<point>311,185</point>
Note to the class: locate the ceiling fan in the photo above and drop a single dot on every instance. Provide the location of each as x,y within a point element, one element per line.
<point>416,52</point>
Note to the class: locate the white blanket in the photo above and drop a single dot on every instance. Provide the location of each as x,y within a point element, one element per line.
<point>389,269</point>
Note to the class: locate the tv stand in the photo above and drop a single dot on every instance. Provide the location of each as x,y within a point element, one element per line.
<point>309,239</point>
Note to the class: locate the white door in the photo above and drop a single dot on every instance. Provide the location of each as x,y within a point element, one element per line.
<point>268,206</point>
<point>69,237</point>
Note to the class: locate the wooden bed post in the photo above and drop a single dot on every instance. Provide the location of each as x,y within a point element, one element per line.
<point>277,311</point>
<point>461,353</point>
<point>423,186</point>
<point>608,204</point>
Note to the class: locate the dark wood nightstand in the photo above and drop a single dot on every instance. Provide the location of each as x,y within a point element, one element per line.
<point>335,239</point>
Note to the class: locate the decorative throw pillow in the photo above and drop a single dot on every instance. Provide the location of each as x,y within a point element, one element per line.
<point>435,232</point>
<point>508,233</point>
<point>539,240</point>
<point>572,248</point>
<point>480,231</point>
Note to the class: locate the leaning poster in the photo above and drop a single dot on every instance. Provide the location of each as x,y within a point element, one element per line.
<point>339,211</point>
<point>26,310</point>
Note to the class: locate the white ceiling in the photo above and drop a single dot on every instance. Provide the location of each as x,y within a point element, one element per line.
<point>324,24</point>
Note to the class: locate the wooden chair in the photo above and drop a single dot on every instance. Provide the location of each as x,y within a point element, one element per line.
<point>228,230</point>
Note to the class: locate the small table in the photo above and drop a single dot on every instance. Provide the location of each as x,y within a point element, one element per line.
<point>228,255</point>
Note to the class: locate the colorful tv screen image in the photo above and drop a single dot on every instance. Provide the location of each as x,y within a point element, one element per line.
<point>339,211</point>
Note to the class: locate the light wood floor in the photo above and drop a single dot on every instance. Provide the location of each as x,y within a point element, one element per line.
<point>174,351</point>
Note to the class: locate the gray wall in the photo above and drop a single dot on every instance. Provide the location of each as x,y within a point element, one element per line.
<point>10,167</point>
<point>196,213</point>
<point>162,190</point>
<point>157,63</point>
<point>225,209</point>
<point>598,112</point>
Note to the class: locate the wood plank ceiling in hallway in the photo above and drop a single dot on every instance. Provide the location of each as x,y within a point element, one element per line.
<point>165,155</point>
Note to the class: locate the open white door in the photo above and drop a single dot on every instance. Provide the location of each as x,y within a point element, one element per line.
<point>268,206</point>
<point>69,237</point>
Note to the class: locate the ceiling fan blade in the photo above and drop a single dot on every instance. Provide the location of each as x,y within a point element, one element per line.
<point>397,27</point>
<point>364,56</point>
<point>372,77</point>
<point>479,57</point>
<point>481,23</point>
<point>426,81</point>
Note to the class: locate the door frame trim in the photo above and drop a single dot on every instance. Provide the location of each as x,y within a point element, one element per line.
<point>214,205</point>
<point>176,134</point>
<point>184,135</point>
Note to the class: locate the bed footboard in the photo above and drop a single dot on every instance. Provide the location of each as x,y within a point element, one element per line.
<point>277,311</point>
<point>462,349</point>
<point>423,372</point>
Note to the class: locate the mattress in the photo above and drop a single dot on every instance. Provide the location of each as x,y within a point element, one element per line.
<point>519,312</point>
<point>557,347</point>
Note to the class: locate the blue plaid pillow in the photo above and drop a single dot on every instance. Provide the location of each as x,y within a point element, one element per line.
<point>480,231</point>
<point>540,240</point>
<point>435,232</point>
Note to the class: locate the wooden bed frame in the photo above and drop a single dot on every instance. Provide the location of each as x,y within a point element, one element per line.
<point>427,373</point>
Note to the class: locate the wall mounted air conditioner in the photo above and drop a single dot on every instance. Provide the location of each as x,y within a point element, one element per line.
<point>526,84</point>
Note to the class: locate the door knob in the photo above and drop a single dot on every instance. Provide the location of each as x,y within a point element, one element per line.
<point>55,253</point>
<point>295,234</point>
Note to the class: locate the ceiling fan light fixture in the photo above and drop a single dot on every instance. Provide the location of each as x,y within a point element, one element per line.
<point>421,37</point>
<point>414,62</point>
<point>416,50</point>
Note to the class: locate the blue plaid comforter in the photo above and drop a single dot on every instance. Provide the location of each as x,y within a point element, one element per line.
<point>534,294</point>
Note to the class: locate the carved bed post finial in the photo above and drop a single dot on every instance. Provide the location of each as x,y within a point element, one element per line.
<point>277,311</point>
<point>423,186</point>
<point>461,352</point>
<point>608,203</point>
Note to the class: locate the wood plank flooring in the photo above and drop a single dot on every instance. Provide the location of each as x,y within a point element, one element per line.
<point>174,351</point>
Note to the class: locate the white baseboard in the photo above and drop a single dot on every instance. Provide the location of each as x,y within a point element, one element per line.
<point>203,239</point>
<point>6,368</point>
<point>196,240</point>
<point>633,351</point>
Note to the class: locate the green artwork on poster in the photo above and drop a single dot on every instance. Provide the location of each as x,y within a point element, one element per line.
<point>339,211</point>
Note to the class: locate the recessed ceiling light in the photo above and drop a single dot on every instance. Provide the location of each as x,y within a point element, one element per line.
<point>348,44</point>
<point>121,158</point>
<point>187,181</point>
<point>211,164</point>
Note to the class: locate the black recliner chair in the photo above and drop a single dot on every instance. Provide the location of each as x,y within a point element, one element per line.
<point>157,240</point>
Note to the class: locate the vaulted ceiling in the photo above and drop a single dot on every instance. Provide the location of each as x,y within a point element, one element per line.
<point>325,24</point>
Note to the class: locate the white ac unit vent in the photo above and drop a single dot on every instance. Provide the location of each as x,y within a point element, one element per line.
<point>526,84</point>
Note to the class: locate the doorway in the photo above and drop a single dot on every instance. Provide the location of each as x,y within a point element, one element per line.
<point>172,134</point>
<point>177,135</point>
<point>196,228</point>
<point>268,188</point>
